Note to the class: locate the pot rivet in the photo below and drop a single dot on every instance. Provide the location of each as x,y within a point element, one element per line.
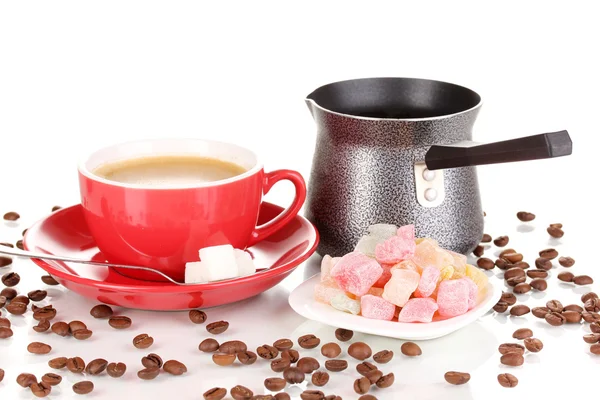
<point>430,194</point>
<point>428,175</point>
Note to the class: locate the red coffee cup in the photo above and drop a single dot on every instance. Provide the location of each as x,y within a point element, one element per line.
<point>163,227</point>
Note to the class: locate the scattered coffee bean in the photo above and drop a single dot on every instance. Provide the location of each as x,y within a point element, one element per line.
<point>1,374</point>
<point>38,348</point>
<point>478,252</point>
<point>197,316</point>
<point>539,284</point>
<point>285,396</point>
<point>595,327</point>
<point>522,333</point>
<point>47,312</point>
<point>152,360</point>
<point>507,380</point>
<point>96,367</point>
<point>291,355</point>
<point>233,347</point>
<point>548,254</point>
<point>331,350</point>
<point>533,345</point>
<point>148,373</point>
<point>308,365</point>
<point>247,357</point>
<point>320,378</point>
<point>556,225</point>
<point>595,349</point>
<point>280,364</point>
<point>590,316</point>
<point>566,276</point>
<point>524,287</point>
<point>58,363</point>
<point>82,334</point>
<point>293,375</point>
<point>40,389</point>
<point>3,301</point>
<point>519,310</point>
<point>25,380</point>
<point>16,308</point>
<point>486,238</point>
<point>383,357</point>
<point>585,297</point>
<point>37,295</point>
<point>49,280</point>
<point>19,244</point>
<point>543,263</point>
<point>267,352</point>
<point>11,216</point>
<point>5,261</point>
<point>515,281</point>
<point>360,351</point>
<point>537,274</point>
<point>83,387</point>
<point>506,251</point>
<point>215,394</point>
<point>457,378</point>
<point>175,367</point>
<point>525,216</point>
<point>223,359</point>
<point>365,367</point>
<point>509,298</point>
<point>283,344</point>
<point>512,359</point>
<point>521,264</point>
<point>116,370</point>
<point>209,345</point>
<point>308,341</point>
<point>76,326</point>
<point>374,376</point>
<point>362,385</point>
<point>60,328</point>
<point>275,384</point>
<point>571,317</point>
<point>56,208</point>
<point>592,338</point>
<point>21,299</point>
<point>555,232</point>
<point>592,305</point>
<point>410,349</point>
<point>513,273</point>
<point>485,263</point>
<point>218,327</point>
<point>142,341</point>
<point>11,279</point>
<point>500,307</point>
<point>240,392</point>
<point>506,348</point>
<point>502,264</point>
<point>4,323</point>
<point>336,365</point>
<point>52,379</point>
<point>42,326</point>
<point>75,365</point>
<point>386,381</point>
<point>119,322</point>
<point>513,257</point>
<point>501,241</point>
<point>312,395</point>
<point>8,293</point>
<point>566,262</point>
<point>101,311</point>
<point>583,280</point>
<point>555,318</point>
<point>554,305</point>
<point>343,335</point>
<point>573,307</point>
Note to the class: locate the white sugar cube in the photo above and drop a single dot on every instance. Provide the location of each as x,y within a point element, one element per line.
<point>219,262</point>
<point>244,262</point>
<point>382,231</point>
<point>195,272</point>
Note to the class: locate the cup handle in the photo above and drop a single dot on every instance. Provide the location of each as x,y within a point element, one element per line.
<point>270,179</point>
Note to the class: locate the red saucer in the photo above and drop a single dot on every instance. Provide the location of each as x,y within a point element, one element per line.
<point>65,233</point>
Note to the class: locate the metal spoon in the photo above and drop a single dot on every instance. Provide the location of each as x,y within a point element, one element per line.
<point>29,254</point>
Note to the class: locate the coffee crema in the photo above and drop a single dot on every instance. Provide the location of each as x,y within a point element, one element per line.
<point>169,170</point>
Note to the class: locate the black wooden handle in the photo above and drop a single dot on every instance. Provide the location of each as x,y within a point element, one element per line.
<point>537,147</point>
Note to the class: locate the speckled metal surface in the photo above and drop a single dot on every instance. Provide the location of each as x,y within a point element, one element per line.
<point>363,173</point>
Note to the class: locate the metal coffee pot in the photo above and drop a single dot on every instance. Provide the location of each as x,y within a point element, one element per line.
<point>399,151</point>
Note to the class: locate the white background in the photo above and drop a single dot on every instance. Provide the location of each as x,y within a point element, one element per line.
<point>77,75</point>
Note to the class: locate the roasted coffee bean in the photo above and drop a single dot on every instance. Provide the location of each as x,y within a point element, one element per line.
<point>308,341</point>
<point>116,370</point>
<point>101,311</point>
<point>175,367</point>
<point>83,387</point>
<point>280,364</point>
<point>410,349</point>
<point>525,216</point>
<point>275,384</point>
<point>223,359</point>
<point>52,379</point>
<point>359,350</point>
<point>267,352</point>
<point>514,273</point>
<point>538,284</point>
<point>502,264</point>
<point>595,349</point>
<point>554,305</point>
<point>11,279</point>
<point>501,241</point>
<point>19,244</point>
<point>548,254</point>
<point>285,396</point>
<point>533,345</point>
<point>571,317</point>
<point>40,389</point>
<point>60,328</point>
<point>478,252</point>
<point>56,208</point>
<point>82,334</point>
<point>507,380</point>
<point>592,305</point>
<point>11,216</point>
<point>240,392</point>
<point>374,376</point>
<point>16,308</point>
<point>566,262</point>
<point>49,280</point>
<point>197,316</point>
<point>519,310</point>
<point>523,287</point>
<point>522,333</point>
<point>5,261</point>
<point>336,365</point>
<point>293,375</point>
<point>152,360</point>
<point>58,363</point>
<point>573,307</point>
<point>21,299</point>
<point>508,298</point>
<point>75,364</point>
<point>47,312</point>
<point>312,395</point>
<point>590,295</point>
<point>247,357</point>
<point>119,322</point>
<point>283,344</point>
<point>76,325</point>
<point>583,280</point>
<point>38,348</point>
<point>595,327</point>
<point>331,350</point>
<point>485,263</point>
<point>25,380</point>
<point>592,338</point>
<point>8,293</point>
<point>209,345</point>
<point>506,251</point>
<point>506,348</point>
<point>516,280</point>
<point>142,341</point>
<point>555,319</point>
<point>386,381</point>
<point>362,385</point>
<point>343,335</point>
<point>37,295</point>
<point>320,378</point>
<point>96,367</point>
<point>148,373</point>
<point>383,357</point>
<point>5,332</point>
<point>1,374</point>
<point>267,397</point>
<point>555,232</point>
<point>590,316</point>
<point>486,238</point>
<point>537,274</point>
<point>215,394</point>
<point>513,257</point>
<point>512,359</point>
<point>233,347</point>
<point>291,355</point>
<point>3,301</point>
<point>218,327</point>
<point>521,264</point>
<point>308,365</point>
<point>540,312</point>
<point>457,378</point>
<point>4,323</point>
<point>543,263</point>
<point>364,368</point>
<point>566,276</point>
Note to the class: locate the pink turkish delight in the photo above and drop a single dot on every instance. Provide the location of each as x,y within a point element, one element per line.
<point>453,298</point>
<point>418,310</point>
<point>356,273</point>
<point>374,307</point>
<point>428,282</point>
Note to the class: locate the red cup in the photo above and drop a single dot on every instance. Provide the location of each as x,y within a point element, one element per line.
<point>163,227</point>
